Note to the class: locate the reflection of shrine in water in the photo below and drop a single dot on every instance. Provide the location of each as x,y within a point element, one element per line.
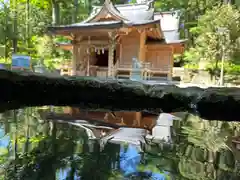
<point>57,150</point>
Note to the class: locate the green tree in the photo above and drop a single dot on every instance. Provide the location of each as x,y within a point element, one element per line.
<point>209,42</point>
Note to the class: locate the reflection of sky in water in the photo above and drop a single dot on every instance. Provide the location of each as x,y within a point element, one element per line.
<point>130,159</point>
<point>4,140</point>
<point>63,174</point>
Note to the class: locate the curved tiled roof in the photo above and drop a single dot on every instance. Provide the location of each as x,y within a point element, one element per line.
<point>169,21</point>
<point>106,6</point>
<point>135,12</point>
<point>103,25</point>
<point>130,15</point>
<point>128,12</point>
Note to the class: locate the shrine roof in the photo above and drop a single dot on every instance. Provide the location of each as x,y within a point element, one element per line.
<point>129,12</point>
<point>83,25</point>
<point>126,14</point>
<point>102,25</point>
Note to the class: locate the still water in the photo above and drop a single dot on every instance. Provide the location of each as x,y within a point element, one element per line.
<point>32,148</point>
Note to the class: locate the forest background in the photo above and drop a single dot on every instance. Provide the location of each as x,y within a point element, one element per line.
<point>23,25</point>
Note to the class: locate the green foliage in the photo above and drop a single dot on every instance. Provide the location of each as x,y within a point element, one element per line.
<point>210,43</point>
<point>191,66</point>
<point>45,46</point>
<point>133,1</point>
<point>33,17</point>
<point>169,4</point>
<point>229,68</point>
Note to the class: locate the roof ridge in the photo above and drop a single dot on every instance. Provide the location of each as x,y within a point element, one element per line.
<point>110,7</point>
<point>114,8</point>
<point>125,5</point>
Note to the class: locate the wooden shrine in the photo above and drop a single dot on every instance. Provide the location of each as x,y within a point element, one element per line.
<point>104,44</point>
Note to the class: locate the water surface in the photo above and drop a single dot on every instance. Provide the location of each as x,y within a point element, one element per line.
<point>32,148</point>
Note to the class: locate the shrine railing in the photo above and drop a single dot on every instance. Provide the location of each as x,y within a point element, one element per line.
<point>148,70</point>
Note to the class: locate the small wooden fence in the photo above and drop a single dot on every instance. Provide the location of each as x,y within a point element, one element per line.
<point>124,71</point>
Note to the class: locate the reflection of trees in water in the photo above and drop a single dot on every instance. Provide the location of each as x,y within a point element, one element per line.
<point>200,151</point>
<point>207,155</point>
<point>98,165</point>
<point>44,148</point>
<point>55,146</point>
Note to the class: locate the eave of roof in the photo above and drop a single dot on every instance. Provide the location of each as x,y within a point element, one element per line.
<point>181,41</point>
<point>176,41</point>
<point>102,25</point>
<point>87,26</point>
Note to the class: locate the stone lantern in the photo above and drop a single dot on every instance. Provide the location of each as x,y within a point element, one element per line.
<point>39,68</point>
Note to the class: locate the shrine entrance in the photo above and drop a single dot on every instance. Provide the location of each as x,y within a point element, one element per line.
<point>102,59</point>
<point>100,65</point>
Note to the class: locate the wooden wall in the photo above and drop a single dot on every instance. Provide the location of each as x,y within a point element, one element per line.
<point>160,56</point>
<point>178,48</point>
<point>130,47</point>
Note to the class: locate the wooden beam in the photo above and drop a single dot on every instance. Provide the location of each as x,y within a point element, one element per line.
<point>159,31</point>
<point>94,42</point>
<point>142,52</point>
<point>69,37</point>
<point>124,31</point>
<point>151,47</point>
<point>94,32</point>
<point>171,64</point>
<point>68,47</point>
<point>138,118</point>
<point>74,60</point>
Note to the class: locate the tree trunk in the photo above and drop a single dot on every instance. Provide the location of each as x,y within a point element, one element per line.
<point>15,30</point>
<point>55,12</point>
<point>27,25</point>
<point>75,12</point>
<point>6,38</point>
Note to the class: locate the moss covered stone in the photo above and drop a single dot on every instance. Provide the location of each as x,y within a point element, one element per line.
<point>20,89</point>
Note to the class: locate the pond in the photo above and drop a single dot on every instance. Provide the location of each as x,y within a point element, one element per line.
<point>32,148</point>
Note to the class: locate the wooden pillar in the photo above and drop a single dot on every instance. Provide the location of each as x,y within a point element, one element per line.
<point>142,50</point>
<point>171,64</point>
<point>138,118</point>
<point>111,55</point>
<point>110,60</point>
<point>74,60</point>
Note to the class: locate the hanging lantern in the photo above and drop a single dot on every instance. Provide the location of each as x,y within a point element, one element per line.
<point>102,50</point>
